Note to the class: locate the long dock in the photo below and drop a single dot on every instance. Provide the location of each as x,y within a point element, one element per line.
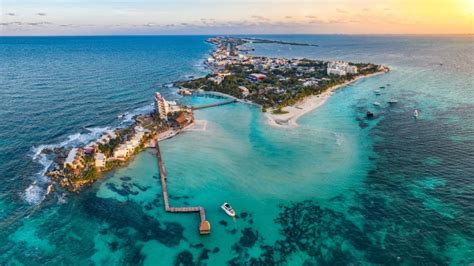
<point>204,226</point>
<point>213,105</point>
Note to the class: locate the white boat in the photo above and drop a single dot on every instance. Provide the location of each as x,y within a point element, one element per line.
<point>228,209</point>
<point>416,113</point>
<point>376,103</point>
<point>392,101</point>
<point>377,92</point>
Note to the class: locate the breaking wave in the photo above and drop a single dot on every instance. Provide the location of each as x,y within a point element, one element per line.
<point>35,193</point>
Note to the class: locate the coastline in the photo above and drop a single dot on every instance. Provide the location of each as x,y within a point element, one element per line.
<point>289,120</point>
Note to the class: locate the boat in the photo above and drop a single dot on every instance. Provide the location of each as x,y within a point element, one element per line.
<point>382,87</point>
<point>416,113</point>
<point>369,114</point>
<point>376,103</point>
<point>392,101</point>
<point>377,92</point>
<point>228,209</point>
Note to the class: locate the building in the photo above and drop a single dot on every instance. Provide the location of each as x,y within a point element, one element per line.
<point>121,152</point>
<point>124,150</point>
<point>74,159</point>
<point>161,106</point>
<point>100,160</point>
<point>244,91</point>
<point>340,68</point>
<point>352,70</point>
<point>182,120</point>
<point>256,77</point>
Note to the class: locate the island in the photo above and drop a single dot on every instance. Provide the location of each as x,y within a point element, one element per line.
<point>283,88</point>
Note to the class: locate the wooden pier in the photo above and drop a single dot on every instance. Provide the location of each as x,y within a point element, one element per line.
<point>213,105</point>
<point>204,226</point>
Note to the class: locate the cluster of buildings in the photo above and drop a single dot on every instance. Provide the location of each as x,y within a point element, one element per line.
<point>340,68</point>
<point>124,150</point>
<point>266,76</point>
<point>76,158</point>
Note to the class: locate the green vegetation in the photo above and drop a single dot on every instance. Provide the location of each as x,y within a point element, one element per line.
<point>283,86</point>
<point>279,111</point>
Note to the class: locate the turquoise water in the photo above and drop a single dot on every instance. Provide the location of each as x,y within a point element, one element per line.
<point>339,189</point>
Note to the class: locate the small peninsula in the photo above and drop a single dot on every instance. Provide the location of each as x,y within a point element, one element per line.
<point>74,168</point>
<point>284,88</point>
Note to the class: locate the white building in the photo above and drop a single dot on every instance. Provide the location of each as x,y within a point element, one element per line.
<point>100,160</point>
<point>126,149</point>
<point>74,159</point>
<point>340,68</point>
<point>244,91</point>
<point>161,106</point>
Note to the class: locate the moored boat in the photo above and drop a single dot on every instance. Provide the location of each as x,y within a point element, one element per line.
<point>376,103</point>
<point>369,114</point>
<point>228,209</point>
<point>392,101</point>
<point>377,92</point>
<point>416,113</point>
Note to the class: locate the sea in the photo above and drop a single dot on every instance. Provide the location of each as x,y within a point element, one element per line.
<point>339,189</point>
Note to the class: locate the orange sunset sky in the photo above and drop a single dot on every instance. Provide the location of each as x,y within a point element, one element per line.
<point>69,17</point>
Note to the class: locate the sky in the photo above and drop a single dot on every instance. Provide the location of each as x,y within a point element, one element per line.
<point>142,17</point>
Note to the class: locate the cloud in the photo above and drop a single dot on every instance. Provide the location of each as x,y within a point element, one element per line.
<point>41,14</point>
<point>366,9</point>
<point>41,23</point>
<point>261,18</point>
<point>11,14</point>
<point>288,17</point>
<point>311,17</point>
<point>20,23</point>
<point>341,10</point>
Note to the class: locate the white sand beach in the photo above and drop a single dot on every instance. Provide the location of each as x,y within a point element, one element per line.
<point>288,120</point>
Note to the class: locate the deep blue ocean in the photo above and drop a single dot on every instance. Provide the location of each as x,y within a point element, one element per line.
<point>339,189</point>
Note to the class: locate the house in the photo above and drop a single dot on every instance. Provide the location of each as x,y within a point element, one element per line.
<point>90,148</point>
<point>100,160</point>
<point>74,159</point>
<point>121,152</point>
<point>244,91</point>
<point>256,77</point>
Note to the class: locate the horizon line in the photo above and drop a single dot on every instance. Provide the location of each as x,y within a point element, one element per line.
<point>244,34</point>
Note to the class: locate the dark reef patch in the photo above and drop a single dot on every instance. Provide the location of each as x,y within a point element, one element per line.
<point>222,222</point>
<point>184,258</point>
<point>140,187</point>
<point>125,189</point>
<point>125,178</point>
<point>129,214</point>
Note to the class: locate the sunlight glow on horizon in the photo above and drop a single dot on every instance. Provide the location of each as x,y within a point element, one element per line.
<point>76,17</point>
